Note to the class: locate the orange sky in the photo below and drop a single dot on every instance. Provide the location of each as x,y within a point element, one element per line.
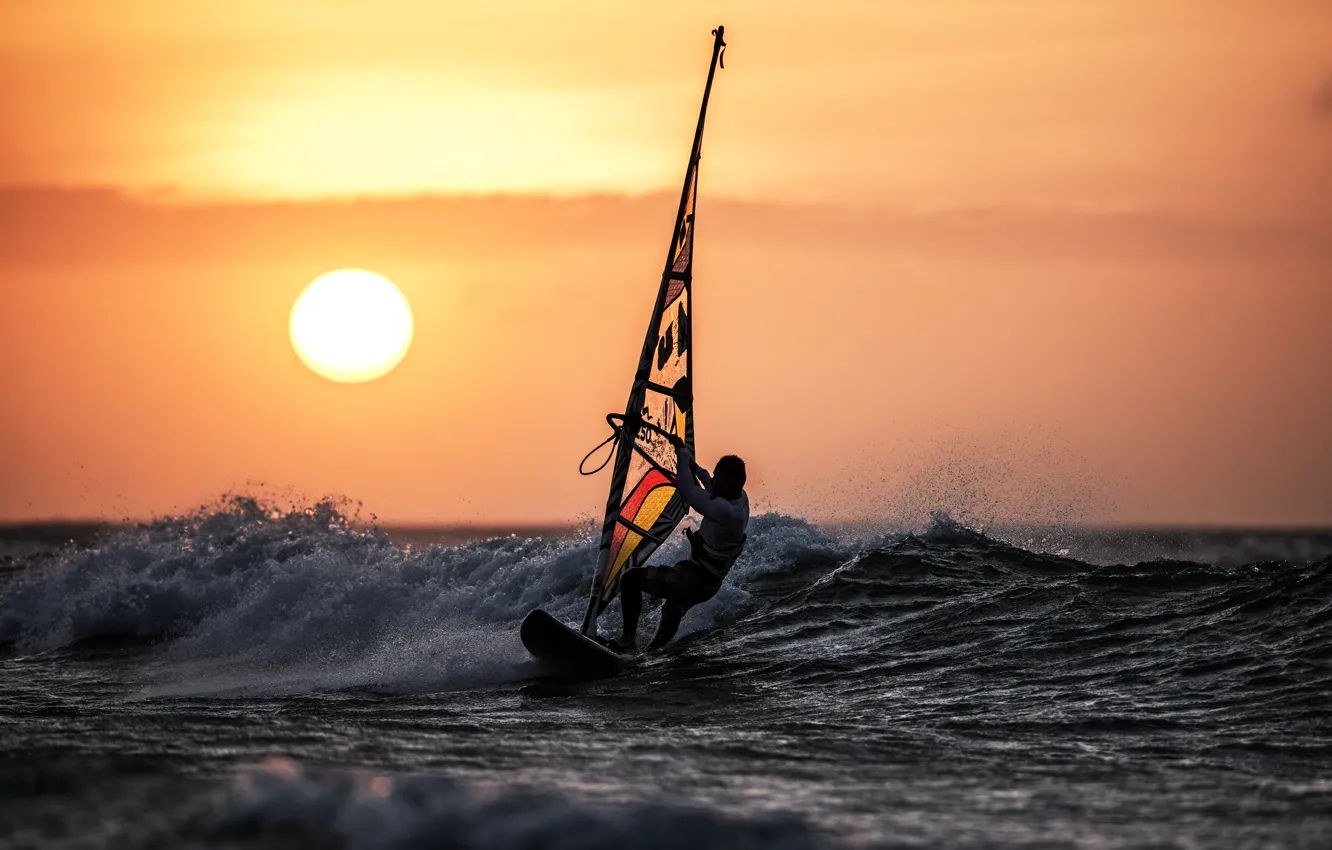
<point>1033,260</point>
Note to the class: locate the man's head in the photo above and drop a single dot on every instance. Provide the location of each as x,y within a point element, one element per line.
<point>728,478</point>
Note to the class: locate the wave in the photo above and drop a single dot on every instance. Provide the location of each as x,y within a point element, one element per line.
<point>283,803</point>
<point>280,802</point>
<point>246,599</point>
<point>258,599</point>
<point>981,634</point>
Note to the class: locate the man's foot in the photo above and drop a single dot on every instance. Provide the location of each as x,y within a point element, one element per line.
<point>623,645</point>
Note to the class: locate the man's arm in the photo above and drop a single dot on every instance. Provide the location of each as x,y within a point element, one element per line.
<point>704,477</point>
<point>708,505</point>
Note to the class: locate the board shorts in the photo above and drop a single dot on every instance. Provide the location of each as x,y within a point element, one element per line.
<point>685,584</point>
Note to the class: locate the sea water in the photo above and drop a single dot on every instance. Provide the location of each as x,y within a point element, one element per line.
<point>250,677</point>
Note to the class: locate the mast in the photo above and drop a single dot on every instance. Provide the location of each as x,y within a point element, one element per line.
<point>627,436</point>
<point>718,45</point>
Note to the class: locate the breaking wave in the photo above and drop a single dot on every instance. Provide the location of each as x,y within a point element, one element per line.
<point>257,599</point>
<point>246,599</point>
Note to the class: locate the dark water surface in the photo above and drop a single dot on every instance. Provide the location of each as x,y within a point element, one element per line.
<point>246,678</point>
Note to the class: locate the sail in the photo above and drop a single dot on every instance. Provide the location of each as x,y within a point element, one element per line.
<point>643,507</point>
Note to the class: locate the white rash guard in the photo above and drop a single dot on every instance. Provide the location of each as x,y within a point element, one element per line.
<point>722,531</point>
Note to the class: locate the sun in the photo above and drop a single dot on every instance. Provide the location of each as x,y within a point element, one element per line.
<point>351,325</point>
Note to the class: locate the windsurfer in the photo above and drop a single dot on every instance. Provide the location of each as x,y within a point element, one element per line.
<point>721,500</point>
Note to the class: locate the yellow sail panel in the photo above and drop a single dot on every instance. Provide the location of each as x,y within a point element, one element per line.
<point>652,507</point>
<point>627,546</point>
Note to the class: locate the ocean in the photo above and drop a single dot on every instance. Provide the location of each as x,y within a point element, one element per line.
<point>248,677</point>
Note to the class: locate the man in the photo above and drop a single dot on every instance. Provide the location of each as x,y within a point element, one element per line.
<point>724,506</point>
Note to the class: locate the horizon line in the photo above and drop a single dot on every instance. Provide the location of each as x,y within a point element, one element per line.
<point>12,524</point>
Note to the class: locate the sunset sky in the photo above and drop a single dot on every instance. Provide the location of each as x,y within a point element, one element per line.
<point>1026,260</point>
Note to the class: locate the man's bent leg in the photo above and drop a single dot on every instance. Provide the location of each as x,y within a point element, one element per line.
<point>678,586</point>
<point>671,614</point>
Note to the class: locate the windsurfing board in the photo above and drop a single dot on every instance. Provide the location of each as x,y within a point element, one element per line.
<point>565,652</point>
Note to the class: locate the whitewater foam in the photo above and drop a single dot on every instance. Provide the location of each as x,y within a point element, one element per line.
<point>246,600</point>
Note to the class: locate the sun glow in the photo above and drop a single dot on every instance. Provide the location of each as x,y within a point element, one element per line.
<point>354,131</point>
<point>351,325</point>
